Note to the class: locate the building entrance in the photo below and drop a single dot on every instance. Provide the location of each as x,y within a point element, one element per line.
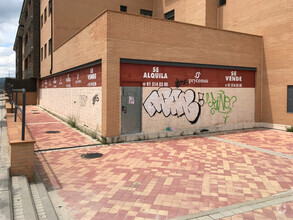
<point>131,105</point>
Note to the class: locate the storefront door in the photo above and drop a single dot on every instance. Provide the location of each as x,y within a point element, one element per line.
<point>131,106</point>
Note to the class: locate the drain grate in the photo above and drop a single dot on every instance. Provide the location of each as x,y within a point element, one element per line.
<point>52,132</point>
<point>91,155</point>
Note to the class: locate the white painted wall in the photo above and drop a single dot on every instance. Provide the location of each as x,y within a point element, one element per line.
<point>242,112</point>
<point>75,102</point>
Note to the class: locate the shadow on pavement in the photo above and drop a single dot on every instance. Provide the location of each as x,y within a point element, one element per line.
<point>43,173</point>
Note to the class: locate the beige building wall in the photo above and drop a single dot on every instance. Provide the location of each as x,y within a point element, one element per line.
<point>212,13</point>
<point>71,16</point>
<point>45,36</point>
<point>67,21</point>
<point>200,12</point>
<point>88,45</point>
<point>273,20</point>
<point>115,35</point>
<point>152,39</point>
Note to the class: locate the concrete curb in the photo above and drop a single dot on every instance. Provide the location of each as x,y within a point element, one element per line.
<point>242,207</point>
<point>42,200</point>
<point>23,204</point>
<point>6,210</point>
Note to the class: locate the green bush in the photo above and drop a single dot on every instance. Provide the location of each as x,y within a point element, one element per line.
<point>290,129</point>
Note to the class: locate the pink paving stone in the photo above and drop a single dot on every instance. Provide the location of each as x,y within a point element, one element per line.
<point>153,163</point>
<point>71,162</point>
<point>38,124</point>
<point>41,117</point>
<point>270,139</point>
<point>66,138</point>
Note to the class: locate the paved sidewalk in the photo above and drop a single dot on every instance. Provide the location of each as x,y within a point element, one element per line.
<point>269,139</point>
<point>164,178</point>
<point>39,123</point>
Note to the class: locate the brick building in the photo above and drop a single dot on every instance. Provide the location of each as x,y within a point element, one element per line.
<point>27,41</point>
<point>157,68</point>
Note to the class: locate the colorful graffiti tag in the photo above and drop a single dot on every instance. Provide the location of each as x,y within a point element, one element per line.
<point>220,102</point>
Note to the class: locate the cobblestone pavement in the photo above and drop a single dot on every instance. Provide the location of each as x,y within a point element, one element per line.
<point>166,179</point>
<point>39,122</point>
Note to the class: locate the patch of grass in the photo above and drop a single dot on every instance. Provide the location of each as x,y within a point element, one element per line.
<point>103,140</point>
<point>72,122</point>
<point>93,134</point>
<point>289,129</point>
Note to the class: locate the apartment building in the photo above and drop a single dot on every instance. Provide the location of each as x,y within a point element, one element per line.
<point>27,41</point>
<point>274,21</point>
<point>157,68</point>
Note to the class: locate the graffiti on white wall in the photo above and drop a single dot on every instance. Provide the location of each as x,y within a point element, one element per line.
<point>220,102</point>
<point>95,99</point>
<point>82,100</point>
<point>175,102</point>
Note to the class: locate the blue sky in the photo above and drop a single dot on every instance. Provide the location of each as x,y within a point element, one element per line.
<point>9,16</point>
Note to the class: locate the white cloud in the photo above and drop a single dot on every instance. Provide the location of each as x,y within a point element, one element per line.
<point>7,62</point>
<point>9,17</point>
<point>9,9</point>
<point>8,33</point>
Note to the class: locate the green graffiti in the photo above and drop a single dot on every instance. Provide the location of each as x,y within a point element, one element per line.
<point>221,103</point>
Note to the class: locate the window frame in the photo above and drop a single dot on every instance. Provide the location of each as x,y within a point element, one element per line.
<point>170,15</point>
<point>146,12</point>
<point>45,13</point>
<point>45,51</point>
<point>42,53</point>
<point>50,8</point>
<point>25,63</point>
<point>289,91</point>
<point>123,8</point>
<point>25,39</point>
<point>50,47</point>
<point>42,21</point>
<point>222,2</point>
